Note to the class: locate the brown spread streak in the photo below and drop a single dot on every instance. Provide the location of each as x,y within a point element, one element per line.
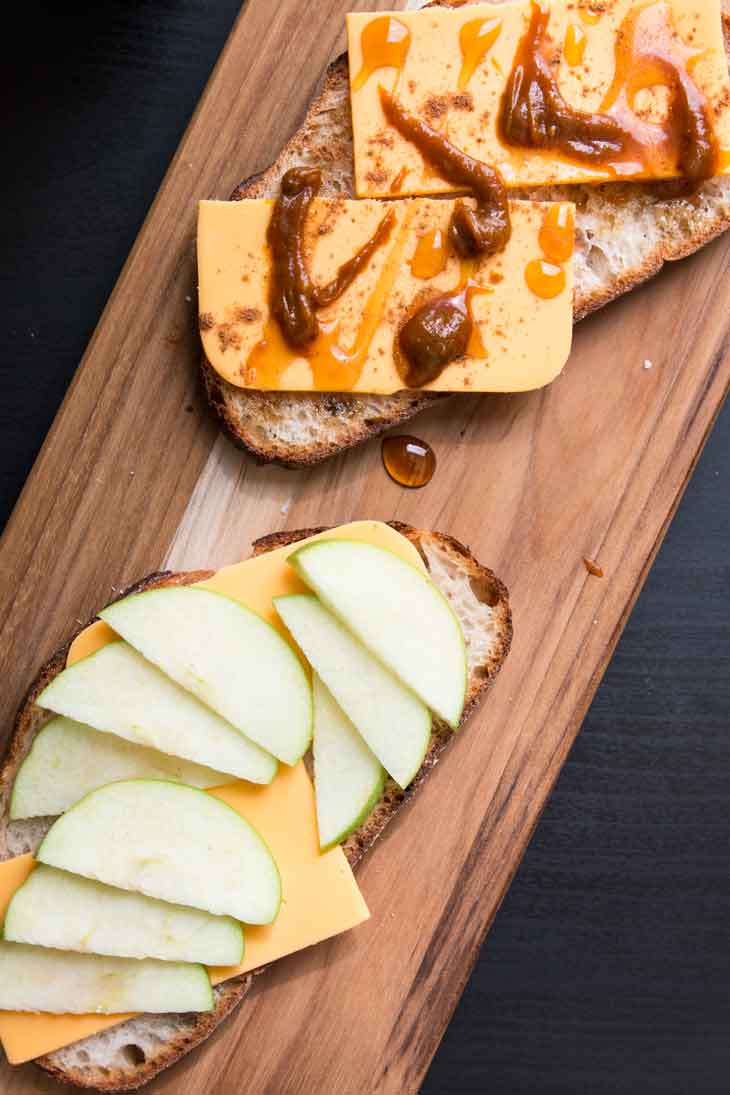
<point>442,330</point>
<point>435,335</point>
<point>294,298</point>
<point>481,231</point>
<point>292,292</point>
<point>534,114</point>
<point>346,274</point>
<point>649,54</point>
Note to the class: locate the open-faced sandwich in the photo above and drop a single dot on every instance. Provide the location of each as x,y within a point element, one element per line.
<point>470,180</point>
<point>192,780</point>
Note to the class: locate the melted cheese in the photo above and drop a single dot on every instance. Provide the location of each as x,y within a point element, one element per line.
<point>433,84</point>
<point>525,339</point>
<point>321,897</point>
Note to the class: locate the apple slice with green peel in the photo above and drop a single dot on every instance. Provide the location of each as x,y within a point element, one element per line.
<point>56,909</point>
<point>168,841</point>
<point>391,718</point>
<point>227,656</point>
<point>348,777</point>
<point>397,612</point>
<point>118,691</point>
<point>60,982</point>
<point>68,759</point>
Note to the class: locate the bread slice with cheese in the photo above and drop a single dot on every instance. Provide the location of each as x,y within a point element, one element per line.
<point>123,1057</point>
<point>624,234</point>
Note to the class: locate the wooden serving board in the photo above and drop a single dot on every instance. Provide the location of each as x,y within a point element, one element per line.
<point>134,477</point>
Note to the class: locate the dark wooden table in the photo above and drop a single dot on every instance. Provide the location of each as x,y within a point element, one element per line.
<point>608,969</point>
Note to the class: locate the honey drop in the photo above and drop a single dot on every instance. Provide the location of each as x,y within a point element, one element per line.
<point>575,44</point>
<point>431,255</point>
<point>544,279</point>
<point>408,461</point>
<point>557,234</point>
<point>476,38</point>
<point>385,43</point>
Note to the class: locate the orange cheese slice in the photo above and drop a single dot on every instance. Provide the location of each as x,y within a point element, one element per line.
<point>521,338</point>
<point>321,897</point>
<point>453,64</point>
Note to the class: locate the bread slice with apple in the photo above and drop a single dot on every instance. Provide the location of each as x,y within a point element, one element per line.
<point>480,603</point>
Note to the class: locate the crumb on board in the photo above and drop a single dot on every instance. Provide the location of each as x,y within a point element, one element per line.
<point>648,363</point>
<point>592,567</point>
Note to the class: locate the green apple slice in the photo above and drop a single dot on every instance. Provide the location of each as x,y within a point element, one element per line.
<point>348,777</point>
<point>227,656</point>
<point>68,759</point>
<point>391,718</point>
<point>36,979</point>
<point>56,909</point>
<point>168,841</point>
<point>397,612</point>
<point>116,690</point>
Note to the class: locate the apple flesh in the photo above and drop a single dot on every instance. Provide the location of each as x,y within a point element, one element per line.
<point>118,691</point>
<point>56,909</point>
<point>36,979</point>
<point>68,759</point>
<point>396,612</point>
<point>348,777</point>
<point>393,721</point>
<point>227,656</point>
<point>171,842</point>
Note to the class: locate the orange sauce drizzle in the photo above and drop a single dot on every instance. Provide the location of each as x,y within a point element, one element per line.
<point>575,44</point>
<point>589,16</point>
<point>431,254</point>
<point>334,368</point>
<point>385,43</point>
<point>471,289</point>
<point>650,55</point>
<point>476,347</point>
<point>397,184</point>
<point>545,279</point>
<point>627,137</point>
<point>557,233</point>
<point>476,38</point>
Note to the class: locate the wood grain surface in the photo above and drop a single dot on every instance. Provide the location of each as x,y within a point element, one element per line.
<point>592,466</point>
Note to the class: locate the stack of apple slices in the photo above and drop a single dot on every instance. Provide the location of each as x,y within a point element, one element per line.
<point>199,689</point>
<point>144,881</point>
<point>388,653</point>
<point>138,887</point>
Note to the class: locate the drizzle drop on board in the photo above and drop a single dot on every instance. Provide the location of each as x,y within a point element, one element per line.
<point>408,461</point>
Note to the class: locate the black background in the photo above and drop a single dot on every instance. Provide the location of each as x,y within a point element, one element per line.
<point>608,968</point>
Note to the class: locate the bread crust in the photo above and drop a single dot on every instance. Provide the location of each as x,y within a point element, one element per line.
<point>264,424</point>
<point>487,589</point>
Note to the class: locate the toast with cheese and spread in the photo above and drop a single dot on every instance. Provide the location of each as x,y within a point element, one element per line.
<point>625,232</point>
<point>127,1055</point>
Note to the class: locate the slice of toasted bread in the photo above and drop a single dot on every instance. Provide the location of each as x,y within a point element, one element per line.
<point>126,1056</point>
<point>624,234</point>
